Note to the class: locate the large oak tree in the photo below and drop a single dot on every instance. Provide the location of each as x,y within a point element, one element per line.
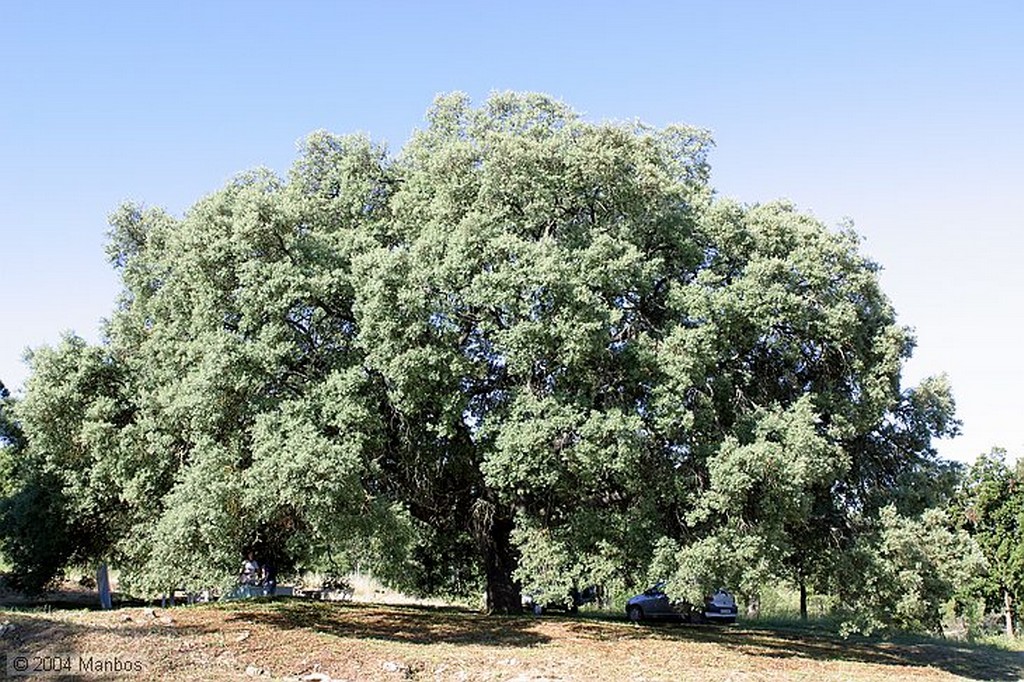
<point>527,349</point>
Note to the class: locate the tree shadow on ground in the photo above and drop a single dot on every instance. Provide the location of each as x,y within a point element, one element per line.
<point>400,624</point>
<point>41,629</point>
<point>436,625</point>
<point>39,633</point>
<point>970,661</point>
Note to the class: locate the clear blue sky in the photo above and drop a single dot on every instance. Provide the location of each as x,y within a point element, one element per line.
<point>907,117</point>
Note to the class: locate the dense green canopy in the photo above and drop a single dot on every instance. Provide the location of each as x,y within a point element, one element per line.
<point>990,506</point>
<point>527,350</point>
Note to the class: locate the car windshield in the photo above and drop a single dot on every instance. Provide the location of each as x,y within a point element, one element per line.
<point>723,598</point>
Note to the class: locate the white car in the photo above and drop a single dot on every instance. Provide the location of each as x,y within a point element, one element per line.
<point>654,604</point>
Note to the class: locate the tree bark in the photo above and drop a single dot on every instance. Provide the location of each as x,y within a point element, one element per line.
<point>502,593</point>
<point>103,586</point>
<point>1008,611</point>
<point>754,606</point>
<point>803,599</point>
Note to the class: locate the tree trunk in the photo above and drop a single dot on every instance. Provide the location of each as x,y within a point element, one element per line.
<point>103,586</point>
<point>494,533</point>
<point>754,606</point>
<point>803,598</point>
<point>1008,611</point>
<point>503,593</point>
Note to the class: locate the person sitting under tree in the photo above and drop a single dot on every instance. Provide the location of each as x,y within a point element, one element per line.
<point>250,573</point>
<point>269,579</point>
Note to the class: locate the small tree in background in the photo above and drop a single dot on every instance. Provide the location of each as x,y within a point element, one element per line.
<point>903,574</point>
<point>63,502</point>
<point>990,506</point>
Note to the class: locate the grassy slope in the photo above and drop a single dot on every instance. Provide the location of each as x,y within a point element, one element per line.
<point>292,638</point>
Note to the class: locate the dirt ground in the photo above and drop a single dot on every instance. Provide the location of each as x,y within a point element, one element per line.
<point>293,639</point>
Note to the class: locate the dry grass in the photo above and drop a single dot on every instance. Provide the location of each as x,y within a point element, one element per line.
<point>292,639</point>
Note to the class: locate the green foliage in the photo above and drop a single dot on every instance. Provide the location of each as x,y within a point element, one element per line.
<point>526,348</point>
<point>546,566</point>
<point>62,504</point>
<point>12,440</point>
<point>38,541</point>
<point>990,506</point>
<point>193,543</point>
<point>901,576</point>
<point>238,322</point>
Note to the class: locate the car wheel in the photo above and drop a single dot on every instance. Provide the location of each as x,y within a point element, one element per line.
<point>635,614</point>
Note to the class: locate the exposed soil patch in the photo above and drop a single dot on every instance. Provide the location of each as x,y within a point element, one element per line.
<point>295,639</point>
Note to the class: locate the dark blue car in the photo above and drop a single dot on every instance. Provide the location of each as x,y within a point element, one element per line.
<point>654,604</point>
